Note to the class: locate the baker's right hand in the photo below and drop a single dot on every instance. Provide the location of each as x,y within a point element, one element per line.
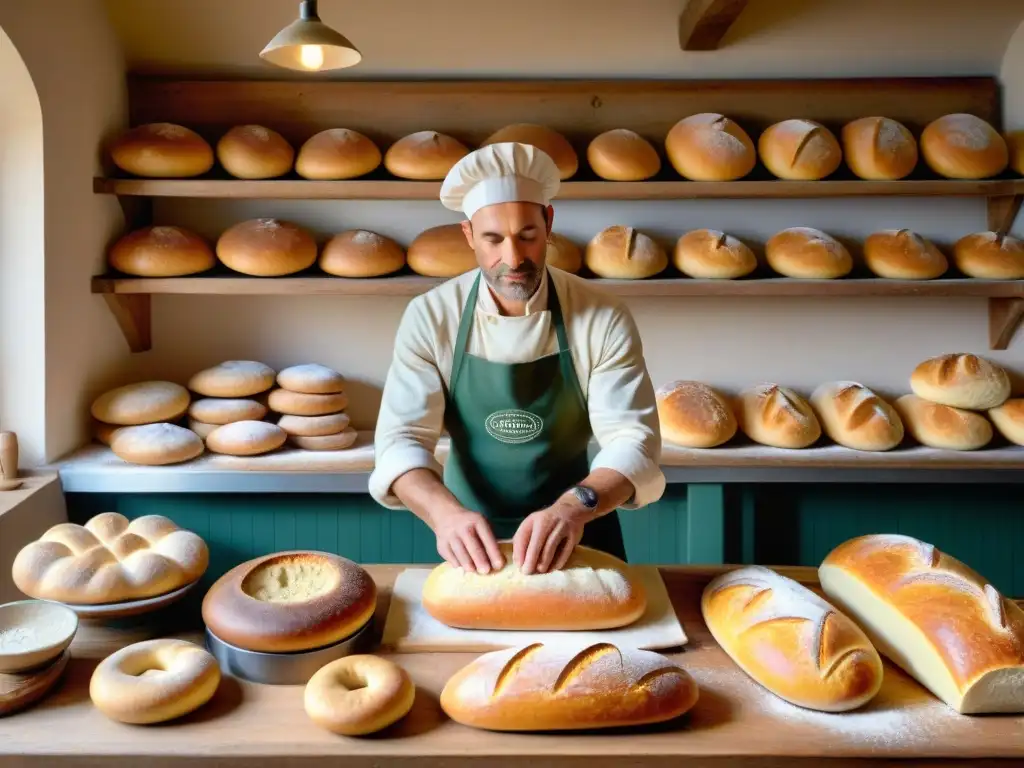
<point>465,540</point>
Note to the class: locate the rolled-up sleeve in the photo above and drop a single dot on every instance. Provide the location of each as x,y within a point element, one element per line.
<point>624,413</point>
<point>412,409</point>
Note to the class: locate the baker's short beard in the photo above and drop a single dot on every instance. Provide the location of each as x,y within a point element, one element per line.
<point>514,291</point>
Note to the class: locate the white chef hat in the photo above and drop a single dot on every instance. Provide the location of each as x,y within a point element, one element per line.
<point>508,172</point>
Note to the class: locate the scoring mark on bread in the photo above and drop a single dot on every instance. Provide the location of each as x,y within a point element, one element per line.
<point>581,661</point>
<point>512,666</point>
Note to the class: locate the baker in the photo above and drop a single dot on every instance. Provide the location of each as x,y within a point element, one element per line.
<point>523,364</point>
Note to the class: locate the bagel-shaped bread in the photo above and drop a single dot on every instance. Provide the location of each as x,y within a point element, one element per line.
<point>266,248</point>
<point>990,256</point>
<point>305,404</point>
<point>777,416</point>
<point>624,253</point>
<point>713,255</point>
<point>563,253</point>
<point>224,410</point>
<point>799,150</point>
<point>154,681</point>
<point>441,251</point>
<point>710,147</point>
<point>162,151</point>
<point>313,426</point>
<point>161,251</point>
<point>335,154</point>
<point>255,152</point>
<point>156,444</point>
<point>623,155</point>
<point>900,254</point>
<point>943,426</point>
<point>361,253</point>
<point>879,149</point>
<point>359,694</point>
<point>807,253</point>
<point>144,402</point>
<point>961,380</point>
<point>290,601</point>
<point>694,415</point>
<point>963,146</point>
<point>246,438</point>
<point>547,140</point>
<point>424,156</point>
<point>233,379</point>
<point>338,442</point>
<point>1008,418</point>
<point>311,378</point>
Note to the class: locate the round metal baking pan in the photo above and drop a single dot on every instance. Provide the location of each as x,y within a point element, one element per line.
<point>293,668</point>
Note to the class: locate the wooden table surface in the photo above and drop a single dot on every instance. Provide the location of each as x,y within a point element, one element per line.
<point>734,723</point>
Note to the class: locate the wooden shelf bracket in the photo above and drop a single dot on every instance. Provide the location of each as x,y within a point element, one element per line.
<point>1002,211</point>
<point>132,312</point>
<point>1004,318</point>
<point>703,23</point>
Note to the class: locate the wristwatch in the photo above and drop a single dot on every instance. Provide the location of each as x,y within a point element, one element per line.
<point>586,496</point>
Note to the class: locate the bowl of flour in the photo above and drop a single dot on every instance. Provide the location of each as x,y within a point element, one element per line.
<point>33,633</point>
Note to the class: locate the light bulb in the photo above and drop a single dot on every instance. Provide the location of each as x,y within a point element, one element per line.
<point>311,56</point>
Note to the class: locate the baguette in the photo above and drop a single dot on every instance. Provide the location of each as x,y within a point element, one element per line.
<point>934,617</point>
<point>566,687</point>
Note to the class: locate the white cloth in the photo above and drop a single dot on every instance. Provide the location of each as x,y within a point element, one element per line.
<point>607,353</point>
<point>508,172</point>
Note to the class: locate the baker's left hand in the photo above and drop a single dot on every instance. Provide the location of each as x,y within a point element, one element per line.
<point>546,538</point>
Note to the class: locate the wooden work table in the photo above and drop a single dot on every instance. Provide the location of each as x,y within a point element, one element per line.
<point>735,722</point>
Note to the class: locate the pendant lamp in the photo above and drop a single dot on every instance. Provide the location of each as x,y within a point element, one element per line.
<point>309,45</point>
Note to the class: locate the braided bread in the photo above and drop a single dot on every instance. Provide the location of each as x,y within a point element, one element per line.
<point>109,560</point>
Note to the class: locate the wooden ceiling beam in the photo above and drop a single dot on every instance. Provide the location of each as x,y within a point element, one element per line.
<point>703,23</point>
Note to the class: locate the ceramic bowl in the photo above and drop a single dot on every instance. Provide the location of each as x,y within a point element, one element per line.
<point>34,632</point>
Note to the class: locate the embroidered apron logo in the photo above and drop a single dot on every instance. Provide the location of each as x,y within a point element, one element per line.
<point>513,426</point>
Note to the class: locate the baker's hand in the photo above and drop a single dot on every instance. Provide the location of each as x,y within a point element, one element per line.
<point>546,539</point>
<point>465,540</point>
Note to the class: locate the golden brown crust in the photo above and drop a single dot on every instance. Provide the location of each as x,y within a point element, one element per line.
<point>807,253</point>
<point>623,155</point>
<point>694,415</point>
<point>961,380</point>
<point>548,140</point>
<point>361,253</point>
<point>963,146</point>
<point>777,416</point>
<point>337,153</point>
<point>797,149</point>
<point>942,426</point>
<point>855,417</point>
<point>990,256</point>
<point>711,254</point>
<point>255,152</point>
<point>424,155</point>
<point>710,147</point>
<point>879,148</point>
<point>563,253</point>
<point>266,248</point>
<point>900,254</point>
<point>162,151</point>
<point>1008,418</point>
<point>624,253</point>
<point>161,251</point>
<point>357,695</point>
<point>441,251</point>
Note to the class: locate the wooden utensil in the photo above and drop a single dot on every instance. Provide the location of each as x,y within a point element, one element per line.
<point>17,691</point>
<point>9,462</point>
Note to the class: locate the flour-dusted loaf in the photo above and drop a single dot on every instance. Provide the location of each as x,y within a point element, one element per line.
<point>964,146</point>
<point>855,417</point>
<point>900,254</point>
<point>142,402</point>
<point>361,253</point>
<point>935,617</point>
<point>568,687</point>
<point>710,147</point>
<point>337,153</point>
<point>778,416</point>
<point>594,590</point>
<point>233,379</point>
<point>790,640</point>
<point>943,426</point>
<point>155,444</point>
<point>990,256</point>
<point>547,140</point>
<point>799,150</point>
<point>161,251</point>
<point>312,379</point>
<point>266,247</point>
<point>162,151</point>
<point>224,410</point>
<point>879,148</point>
<point>625,253</point>
<point>711,254</point>
<point>961,380</point>
<point>246,438</point>
<point>694,415</point>
<point>807,253</point>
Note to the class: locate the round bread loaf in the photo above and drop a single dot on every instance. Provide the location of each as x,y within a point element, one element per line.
<point>990,256</point>
<point>339,442</point>
<point>710,147</point>
<point>218,410</point>
<point>802,150</point>
<point>424,155</point>
<point>900,254</point>
<point>563,253</point>
<point>1015,146</point>
<point>624,253</point>
<point>161,251</point>
<point>267,248</point>
<point>143,402</point>
<point>942,426</point>
<point>359,694</point>
<point>361,253</point>
<point>547,140</point>
<point>233,378</point>
<point>202,428</point>
<point>255,152</point>
<point>623,155</point>
<point>694,415</point>
<point>879,149</point>
<point>314,426</point>
<point>962,146</point>
<point>104,433</point>
<point>162,151</point>
<point>807,253</point>
<point>311,378</point>
<point>712,255</point>
<point>337,153</point>
<point>961,380</point>
<point>441,251</point>
<point>855,417</point>
<point>1008,418</point>
<point>777,416</point>
<point>290,601</point>
<point>285,401</point>
<point>246,438</point>
<point>156,444</point>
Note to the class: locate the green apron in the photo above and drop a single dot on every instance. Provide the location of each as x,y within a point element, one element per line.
<point>519,434</point>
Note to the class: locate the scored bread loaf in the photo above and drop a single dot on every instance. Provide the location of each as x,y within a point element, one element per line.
<point>791,641</point>
<point>694,415</point>
<point>855,417</point>
<point>900,254</point>
<point>961,380</point>
<point>567,687</point>
<point>807,253</point>
<point>710,147</point>
<point>933,616</point>
<point>879,149</point>
<point>943,426</point>
<point>990,256</point>
<point>799,150</point>
<point>963,146</point>
<point>594,590</point>
<point>711,254</point>
<point>777,416</point>
<point>624,253</point>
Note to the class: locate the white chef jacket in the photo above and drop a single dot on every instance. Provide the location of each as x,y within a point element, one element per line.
<point>606,350</point>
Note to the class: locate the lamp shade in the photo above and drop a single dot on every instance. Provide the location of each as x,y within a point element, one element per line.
<point>309,45</point>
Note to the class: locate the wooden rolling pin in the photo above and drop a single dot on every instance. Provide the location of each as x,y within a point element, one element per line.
<point>9,462</point>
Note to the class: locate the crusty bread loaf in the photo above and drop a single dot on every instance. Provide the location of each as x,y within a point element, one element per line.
<point>807,253</point>
<point>1008,418</point>
<point>961,380</point>
<point>290,601</point>
<point>142,402</point>
<point>790,640</point>
<point>624,253</point>
<point>694,415</point>
<point>962,146</point>
<point>546,139</point>
<point>774,415</point>
<point>424,156</point>
<point>361,253</point>
<point>710,147</point>
<point>266,248</point>
<point>110,560</point>
<point>441,251</point>
<point>623,155</point>
<point>990,256</point>
<point>594,590</point>
<point>563,253</point>
<point>567,687</point>
<point>713,255</point>
<point>939,620</point>
<point>900,254</point>
<point>879,149</point>
<point>162,151</point>
<point>337,153</point>
<point>801,150</point>
<point>255,152</point>
<point>855,417</point>
<point>155,444</point>
<point>943,426</point>
<point>161,251</point>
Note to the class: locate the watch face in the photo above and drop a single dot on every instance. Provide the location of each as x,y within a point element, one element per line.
<point>586,495</point>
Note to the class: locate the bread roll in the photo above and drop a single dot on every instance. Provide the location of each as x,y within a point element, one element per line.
<point>962,146</point>
<point>1008,418</point>
<point>990,256</point>
<point>358,695</point>
<point>694,415</point>
<point>879,149</point>
<point>162,151</point>
<point>1015,146</point>
<point>337,153</point>
<point>290,601</point>
<point>246,438</point>
<point>549,141</point>
<point>360,253</point>
<point>623,253</point>
<point>593,591</point>
<point>961,380</point>
<point>563,253</point>
<point>855,417</point>
<point>314,426</point>
<point>713,255</point>
<point>623,155</point>
<point>441,251</point>
<point>791,641</point>
<point>567,687</point>
<point>338,442</point>
<point>233,378</point>
<point>710,147</point>
<point>942,426</point>
<point>777,416</point>
<point>267,248</point>
<point>143,402</point>
<point>304,404</point>
<point>807,253</point>
<point>255,152</point>
<point>937,619</point>
<point>802,150</point>
<point>900,254</point>
<point>161,251</point>
<point>311,378</point>
<point>218,410</point>
<point>424,155</point>
<point>156,444</point>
